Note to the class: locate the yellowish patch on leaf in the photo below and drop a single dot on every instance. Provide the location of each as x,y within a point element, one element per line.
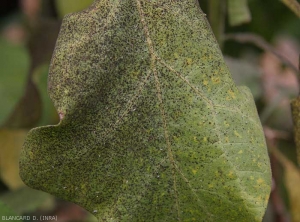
<point>135,74</point>
<point>205,139</point>
<point>232,94</point>
<point>226,124</point>
<point>177,114</point>
<point>259,198</point>
<point>31,154</point>
<point>260,181</point>
<point>194,171</point>
<point>230,174</point>
<point>205,82</point>
<point>149,130</point>
<point>267,198</point>
<point>215,80</point>
<point>259,165</point>
<point>176,55</point>
<point>240,152</point>
<point>189,61</point>
<point>237,134</point>
<point>226,139</point>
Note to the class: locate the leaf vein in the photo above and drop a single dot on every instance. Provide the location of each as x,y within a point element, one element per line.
<point>159,96</point>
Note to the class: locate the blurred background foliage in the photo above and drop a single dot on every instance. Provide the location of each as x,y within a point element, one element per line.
<point>260,42</point>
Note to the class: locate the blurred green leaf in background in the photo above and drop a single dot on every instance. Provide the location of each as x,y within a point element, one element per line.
<point>14,66</point>
<point>5,211</point>
<point>68,6</point>
<point>11,142</point>
<point>238,12</point>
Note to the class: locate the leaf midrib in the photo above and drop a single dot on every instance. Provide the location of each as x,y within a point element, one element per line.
<point>159,96</point>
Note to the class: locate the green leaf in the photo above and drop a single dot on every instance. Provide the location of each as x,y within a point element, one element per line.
<point>49,115</point>
<point>67,6</point>
<point>27,111</point>
<point>26,200</point>
<point>14,65</point>
<point>152,125</point>
<point>11,142</point>
<point>293,5</point>
<point>238,12</point>
<point>246,73</point>
<point>6,212</point>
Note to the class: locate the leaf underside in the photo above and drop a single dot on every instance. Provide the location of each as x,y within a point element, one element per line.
<point>152,126</point>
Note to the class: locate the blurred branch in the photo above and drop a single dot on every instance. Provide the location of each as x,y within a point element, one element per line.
<point>293,5</point>
<point>31,9</point>
<point>279,156</point>
<point>291,180</point>
<point>261,43</point>
<point>216,17</point>
<point>273,134</point>
<point>280,212</point>
<point>295,107</point>
<point>270,109</point>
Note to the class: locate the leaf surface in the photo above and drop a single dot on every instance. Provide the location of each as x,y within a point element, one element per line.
<point>11,142</point>
<point>69,6</point>
<point>238,12</point>
<point>152,126</point>
<point>6,212</point>
<point>246,73</point>
<point>14,64</point>
<point>49,114</point>
<point>26,200</point>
